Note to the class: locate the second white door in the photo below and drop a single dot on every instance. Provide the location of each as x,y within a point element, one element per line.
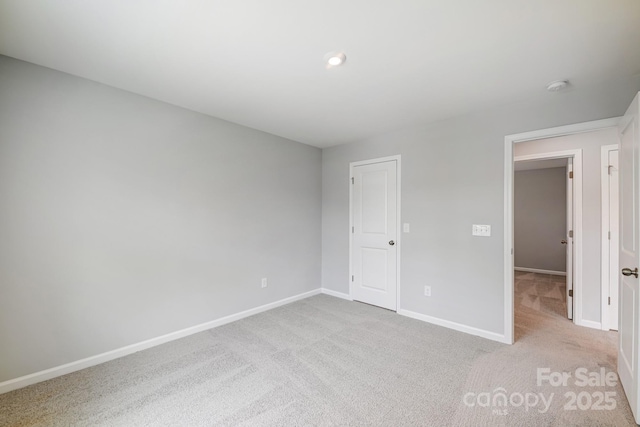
<point>629,317</point>
<point>374,219</point>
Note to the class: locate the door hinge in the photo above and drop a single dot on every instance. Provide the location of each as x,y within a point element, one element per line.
<point>352,278</point>
<point>609,235</point>
<point>353,230</point>
<point>571,175</point>
<point>571,233</point>
<point>352,180</point>
<point>571,293</point>
<point>609,169</point>
<point>609,300</point>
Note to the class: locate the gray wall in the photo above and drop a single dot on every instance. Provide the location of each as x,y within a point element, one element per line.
<point>590,144</point>
<point>124,218</point>
<point>540,219</point>
<point>453,177</point>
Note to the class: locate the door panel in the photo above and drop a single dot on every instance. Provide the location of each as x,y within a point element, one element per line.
<point>627,187</point>
<point>374,201</point>
<point>627,334</point>
<point>374,268</point>
<point>629,256</point>
<point>614,245</point>
<point>374,225</point>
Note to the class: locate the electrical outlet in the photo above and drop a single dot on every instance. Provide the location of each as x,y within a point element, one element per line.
<point>481,230</point>
<point>264,282</point>
<point>427,291</point>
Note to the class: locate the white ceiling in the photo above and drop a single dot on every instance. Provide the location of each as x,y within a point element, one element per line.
<point>260,63</point>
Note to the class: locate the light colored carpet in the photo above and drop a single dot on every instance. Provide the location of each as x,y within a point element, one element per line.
<point>542,292</point>
<point>545,338</point>
<point>323,362</point>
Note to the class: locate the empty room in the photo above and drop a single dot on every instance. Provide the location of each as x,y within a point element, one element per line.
<point>280,213</point>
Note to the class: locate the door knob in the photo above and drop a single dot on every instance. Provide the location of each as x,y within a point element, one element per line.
<point>630,272</point>
<point>391,242</point>
<point>564,242</point>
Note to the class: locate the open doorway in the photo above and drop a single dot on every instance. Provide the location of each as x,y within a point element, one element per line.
<point>571,240</point>
<point>543,224</point>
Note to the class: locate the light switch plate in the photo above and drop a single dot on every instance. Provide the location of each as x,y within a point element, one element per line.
<point>481,230</point>
<point>405,227</point>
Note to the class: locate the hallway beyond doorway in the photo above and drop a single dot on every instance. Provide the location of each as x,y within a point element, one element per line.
<point>542,292</point>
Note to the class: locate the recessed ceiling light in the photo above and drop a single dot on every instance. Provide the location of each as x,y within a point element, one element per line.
<point>334,59</point>
<point>557,85</point>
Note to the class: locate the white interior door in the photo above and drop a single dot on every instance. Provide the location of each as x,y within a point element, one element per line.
<point>614,239</point>
<point>569,239</point>
<point>374,199</point>
<point>629,255</point>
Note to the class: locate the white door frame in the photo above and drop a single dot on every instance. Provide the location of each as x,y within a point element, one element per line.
<point>576,211</point>
<point>604,200</point>
<point>570,255</point>
<point>509,140</point>
<point>352,165</point>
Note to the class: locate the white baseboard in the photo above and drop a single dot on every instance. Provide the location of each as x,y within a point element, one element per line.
<point>589,324</point>
<point>336,294</point>
<point>67,368</point>
<point>434,320</point>
<point>455,326</point>
<point>537,270</point>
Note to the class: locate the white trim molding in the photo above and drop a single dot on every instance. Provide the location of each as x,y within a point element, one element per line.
<point>336,294</point>
<point>67,368</point>
<point>456,326</point>
<point>591,324</point>
<point>509,141</point>
<point>537,270</point>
